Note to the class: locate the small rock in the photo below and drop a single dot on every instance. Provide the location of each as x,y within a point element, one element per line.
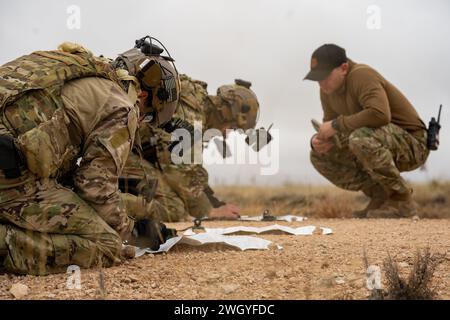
<point>326,282</point>
<point>230,288</point>
<point>403,264</point>
<point>317,231</point>
<point>154,285</point>
<point>339,280</point>
<point>271,274</point>
<point>19,290</point>
<point>213,277</point>
<point>90,291</point>
<point>128,252</point>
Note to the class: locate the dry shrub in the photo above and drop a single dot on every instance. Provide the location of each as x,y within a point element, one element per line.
<point>418,285</point>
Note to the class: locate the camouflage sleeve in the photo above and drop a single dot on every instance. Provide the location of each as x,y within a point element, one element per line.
<point>155,143</point>
<point>188,180</point>
<point>200,206</point>
<point>137,206</point>
<point>215,202</point>
<point>105,151</point>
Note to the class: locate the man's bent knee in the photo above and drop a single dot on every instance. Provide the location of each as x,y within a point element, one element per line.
<point>360,138</point>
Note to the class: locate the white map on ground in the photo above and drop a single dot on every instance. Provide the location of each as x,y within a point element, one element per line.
<point>223,236</point>
<point>303,231</point>
<point>238,242</point>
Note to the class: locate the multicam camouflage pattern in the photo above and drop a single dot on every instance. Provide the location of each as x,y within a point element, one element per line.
<point>189,182</point>
<point>374,157</point>
<point>155,142</point>
<point>49,70</point>
<point>108,131</point>
<point>180,188</point>
<point>193,104</point>
<point>48,147</point>
<point>50,227</point>
<point>234,105</point>
<point>158,76</point>
<point>239,105</point>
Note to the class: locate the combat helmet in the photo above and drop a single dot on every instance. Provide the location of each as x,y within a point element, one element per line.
<point>238,104</point>
<point>156,74</point>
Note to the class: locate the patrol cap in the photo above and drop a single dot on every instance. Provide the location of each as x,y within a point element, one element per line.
<point>324,59</point>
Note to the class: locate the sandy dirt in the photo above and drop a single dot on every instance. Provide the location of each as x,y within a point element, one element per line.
<point>308,267</point>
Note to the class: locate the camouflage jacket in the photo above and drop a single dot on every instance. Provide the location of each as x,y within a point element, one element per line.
<point>61,107</point>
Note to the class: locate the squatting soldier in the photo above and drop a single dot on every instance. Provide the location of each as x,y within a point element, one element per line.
<point>383,134</point>
<point>57,107</point>
<point>183,190</point>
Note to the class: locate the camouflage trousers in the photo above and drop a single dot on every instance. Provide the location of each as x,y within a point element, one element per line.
<point>180,188</point>
<point>370,158</point>
<point>50,228</point>
<point>188,182</point>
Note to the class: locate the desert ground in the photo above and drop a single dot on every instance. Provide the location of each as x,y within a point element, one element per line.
<point>308,267</point>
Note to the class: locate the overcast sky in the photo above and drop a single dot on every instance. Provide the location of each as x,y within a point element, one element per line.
<point>268,43</point>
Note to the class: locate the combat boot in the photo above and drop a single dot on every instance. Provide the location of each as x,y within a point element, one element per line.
<point>394,208</point>
<point>378,196</point>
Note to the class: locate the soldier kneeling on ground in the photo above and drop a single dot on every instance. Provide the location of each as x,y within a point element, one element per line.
<point>57,107</point>
<point>183,190</point>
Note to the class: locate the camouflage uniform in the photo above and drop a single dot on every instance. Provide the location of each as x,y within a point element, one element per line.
<point>189,181</point>
<point>183,190</point>
<point>48,226</point>
<point>382,135</point>
<point>180,191</point>
<point>180,188</point>
<point>194,104</point>
<point>373,157</point>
